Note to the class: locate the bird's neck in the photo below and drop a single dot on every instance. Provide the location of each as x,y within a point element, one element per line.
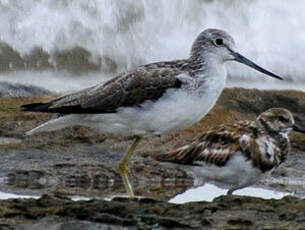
<point>206,65</point>
<point>209,74</point>
<point>283,142</point>
<point>196,64</point>
<point>281,138</point>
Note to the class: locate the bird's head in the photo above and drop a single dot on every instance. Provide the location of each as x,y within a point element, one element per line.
<point>278,120</point>
<point>219,45</point>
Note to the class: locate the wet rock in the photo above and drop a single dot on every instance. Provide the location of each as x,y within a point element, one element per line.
<point>77,161</point>
<point>7,141</point>
<point>257,101</point>
<point>225,212</point>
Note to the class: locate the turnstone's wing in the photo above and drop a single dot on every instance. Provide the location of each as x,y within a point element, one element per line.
<point>213,147</point>
<point>132,88</point>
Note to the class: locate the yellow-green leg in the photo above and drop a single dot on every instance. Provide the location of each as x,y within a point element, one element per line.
<point>123,169</point>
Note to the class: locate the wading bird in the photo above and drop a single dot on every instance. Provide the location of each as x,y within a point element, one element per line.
<point>238,155</point>
<point>152,99</point>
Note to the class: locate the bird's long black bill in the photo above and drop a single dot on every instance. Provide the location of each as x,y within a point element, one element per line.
<point>242,59</point>
<point>298,128</point>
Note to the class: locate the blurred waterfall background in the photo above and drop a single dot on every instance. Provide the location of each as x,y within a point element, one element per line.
<point>68,45</point>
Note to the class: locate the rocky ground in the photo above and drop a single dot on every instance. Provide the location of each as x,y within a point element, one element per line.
<point>78,161</point>
<point>225,212</point>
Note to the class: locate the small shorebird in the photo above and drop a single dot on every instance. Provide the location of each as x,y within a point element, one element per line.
<point>238,155</point>
<point>151,99</point>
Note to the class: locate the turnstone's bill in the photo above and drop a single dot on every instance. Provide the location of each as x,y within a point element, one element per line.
<point>238,155</point>
<point>152,99</point>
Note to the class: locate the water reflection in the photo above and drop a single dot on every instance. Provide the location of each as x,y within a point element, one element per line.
<point>80,187</point>
<point>208,192</point>
<point>5,196</point>
<point>97,186</point>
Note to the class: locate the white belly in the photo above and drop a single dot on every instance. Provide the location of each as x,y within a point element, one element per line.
<point>236,172</point>
<point>176,110</point>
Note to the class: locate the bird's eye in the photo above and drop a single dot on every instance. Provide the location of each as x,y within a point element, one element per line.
<point>283,119</point>
<point>219,41</point>
<point>268,155</point>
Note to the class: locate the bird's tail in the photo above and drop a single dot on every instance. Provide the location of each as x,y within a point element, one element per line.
<point>36,107</point>
<point>51,125</point>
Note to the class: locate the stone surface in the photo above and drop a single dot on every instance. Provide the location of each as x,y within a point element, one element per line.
<point>78,161</point>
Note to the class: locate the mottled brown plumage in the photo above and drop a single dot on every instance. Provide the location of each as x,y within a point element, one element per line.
<point>207,147</point>
<point>251,148</point>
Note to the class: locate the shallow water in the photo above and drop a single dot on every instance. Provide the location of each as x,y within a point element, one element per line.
<point>6,195</point>
<point>208,192</point>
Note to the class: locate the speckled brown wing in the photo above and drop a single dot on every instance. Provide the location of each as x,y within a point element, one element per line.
<point>128,89</point>
<point>214,147</point>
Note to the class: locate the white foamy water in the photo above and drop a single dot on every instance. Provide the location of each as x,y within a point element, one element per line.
<point>133,32</point>
<point>208,192</point>
<point>54,81</point>
<point>5,196</point>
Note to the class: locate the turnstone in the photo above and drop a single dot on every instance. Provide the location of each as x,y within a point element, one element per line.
<point>238,155</point>
<point>152,99</point>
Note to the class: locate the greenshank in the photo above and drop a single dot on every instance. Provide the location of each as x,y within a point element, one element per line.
<point>152,99</point>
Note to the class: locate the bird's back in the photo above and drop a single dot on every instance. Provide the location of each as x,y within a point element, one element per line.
<point>214,147</point>
<point>131,88</point>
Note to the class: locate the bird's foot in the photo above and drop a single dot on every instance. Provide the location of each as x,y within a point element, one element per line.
<point>123,171</point>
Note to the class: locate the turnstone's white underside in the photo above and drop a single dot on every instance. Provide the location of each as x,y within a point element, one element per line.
<point>237,173</point>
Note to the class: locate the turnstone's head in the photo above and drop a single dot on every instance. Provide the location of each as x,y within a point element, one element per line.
<point>276,120</point>
<point>220,46</point>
